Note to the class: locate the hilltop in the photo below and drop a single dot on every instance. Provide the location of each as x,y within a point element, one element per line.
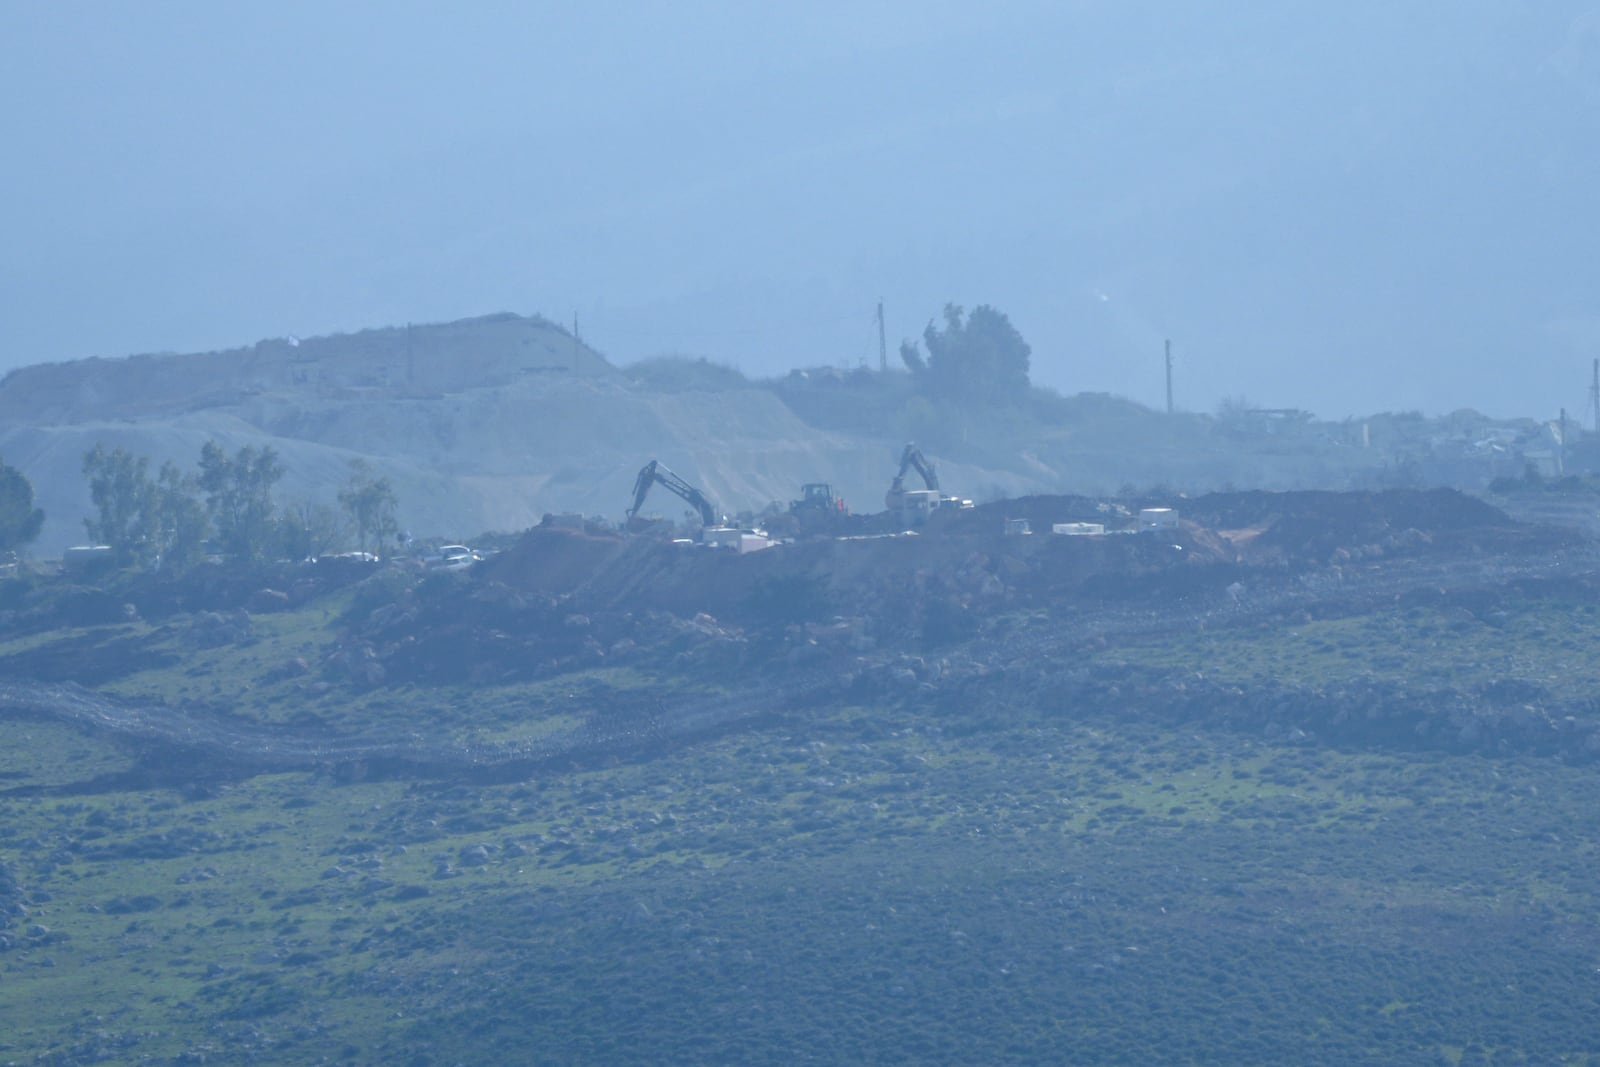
<point>491,423</point>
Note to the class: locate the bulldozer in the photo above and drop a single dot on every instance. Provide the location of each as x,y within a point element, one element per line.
<point>820,512</point>
<point>819,501</point>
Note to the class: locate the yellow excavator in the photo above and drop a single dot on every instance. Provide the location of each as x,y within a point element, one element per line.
<point>653,473</point>
<point>913,506</point>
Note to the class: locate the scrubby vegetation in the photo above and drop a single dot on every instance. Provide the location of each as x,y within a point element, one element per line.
<point>1011,803</point>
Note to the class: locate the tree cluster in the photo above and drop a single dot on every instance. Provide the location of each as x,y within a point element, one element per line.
<point>227,505</point>
<point>20,521</point>
<point>143,518</point>
<point>371,505</point>
<point>973,359</point>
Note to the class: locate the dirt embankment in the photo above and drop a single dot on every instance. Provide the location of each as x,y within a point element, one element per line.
<point>960,613</point>
<point>966,554</point>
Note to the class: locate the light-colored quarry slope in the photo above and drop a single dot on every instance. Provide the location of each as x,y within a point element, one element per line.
<point>485,424</point>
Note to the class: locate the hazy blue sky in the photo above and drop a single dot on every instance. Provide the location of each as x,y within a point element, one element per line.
<point>1343,207</point>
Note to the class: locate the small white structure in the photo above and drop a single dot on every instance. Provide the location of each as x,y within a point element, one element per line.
<point>1078,529</point>
<point>917,504</point>
<point>741,541</point>
<point>754,541</point>
<point>1157,520</point>
<point>1018,528</point>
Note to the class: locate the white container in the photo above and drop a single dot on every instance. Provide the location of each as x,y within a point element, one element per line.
<point>1156,520</point>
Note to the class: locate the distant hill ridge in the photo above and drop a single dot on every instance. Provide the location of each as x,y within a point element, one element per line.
<point>489,423</point>
<point>418,360</point>
<point>480,424</point>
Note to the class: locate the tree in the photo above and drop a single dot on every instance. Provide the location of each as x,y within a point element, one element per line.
<point>912,358</point>
<point>180,526</point>
<point>371,504</point>
<point>312,529</point>
<point>20,521</point>
<point>238,494</point>
<point>144,520</point>
<point>978,358</point>
<point>124,500</point>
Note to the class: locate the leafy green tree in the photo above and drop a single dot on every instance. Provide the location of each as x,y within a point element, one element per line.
<point>238,495</point>
<point>20,521</point>
<point>911,356</point>
<point>143,519</point>
<point>371,505</point>
<point>977,358</point>
<point>312,529</point>
<point>180,523</point>
<point>124,499</point>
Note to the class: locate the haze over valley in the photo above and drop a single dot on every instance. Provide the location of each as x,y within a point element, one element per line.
<point>1344,209</point>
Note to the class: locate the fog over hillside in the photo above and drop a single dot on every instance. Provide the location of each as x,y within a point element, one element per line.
<point>1344,208</point>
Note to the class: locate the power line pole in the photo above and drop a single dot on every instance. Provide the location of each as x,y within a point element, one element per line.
<point>1594,397</point>
<point>883,343</point>
<point>1169,377</point>
<point>1561,445</point>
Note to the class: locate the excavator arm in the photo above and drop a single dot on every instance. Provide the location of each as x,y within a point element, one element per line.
<point>914,505</point>
<point>912,457</point>
<point>654,472</point>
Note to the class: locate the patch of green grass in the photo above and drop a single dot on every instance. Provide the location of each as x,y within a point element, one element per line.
<point>1540,642</point>
<point>1010,884</point>
<point>296,906</point>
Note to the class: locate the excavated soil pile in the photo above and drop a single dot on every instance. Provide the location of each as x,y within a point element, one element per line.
<point>1352,515</point>
<point>1316,527</point>
<point>960,611</point>
<point>556,561</point>
<point>871,577</point>
<point>560,598</point>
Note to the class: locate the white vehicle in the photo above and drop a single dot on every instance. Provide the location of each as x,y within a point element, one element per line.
<point>456,558</point>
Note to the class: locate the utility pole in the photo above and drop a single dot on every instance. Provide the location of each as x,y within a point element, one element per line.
<point>411,360</point>
<point>1169,377</point>
<point>883,343</point>
<point>1561,445</point>
<point>1594,397</point>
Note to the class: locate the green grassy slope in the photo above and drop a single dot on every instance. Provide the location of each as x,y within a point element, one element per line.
<point>876,886</point>
<point>994,869</point>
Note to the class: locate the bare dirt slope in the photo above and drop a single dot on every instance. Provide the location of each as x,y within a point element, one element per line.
<point>490,423</point>
<point>485,424</point>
